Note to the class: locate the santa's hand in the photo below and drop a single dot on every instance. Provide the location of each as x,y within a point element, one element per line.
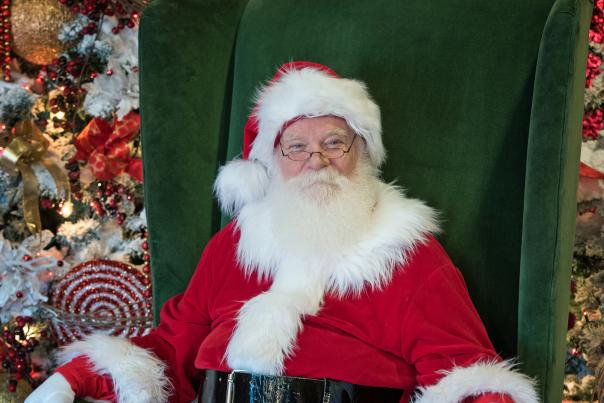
<point>54,390</point>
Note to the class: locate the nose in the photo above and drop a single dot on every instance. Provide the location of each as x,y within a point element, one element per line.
<point>317,161</point>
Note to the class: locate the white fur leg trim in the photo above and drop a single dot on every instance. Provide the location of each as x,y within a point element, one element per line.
<point>138,375</point>
<point>479,378</point>
<point>240,182</point>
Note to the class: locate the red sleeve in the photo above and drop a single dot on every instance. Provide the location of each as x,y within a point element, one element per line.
<point>442,329</point>
<point>184,323</point>
<point>85,382</point>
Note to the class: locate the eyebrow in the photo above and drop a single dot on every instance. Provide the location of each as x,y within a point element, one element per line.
<point>333,132</point>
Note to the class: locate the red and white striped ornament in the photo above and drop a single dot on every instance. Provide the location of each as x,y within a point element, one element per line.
<point>101,296</point>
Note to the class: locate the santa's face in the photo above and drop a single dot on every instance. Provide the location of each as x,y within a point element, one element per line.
<point>315,135</point>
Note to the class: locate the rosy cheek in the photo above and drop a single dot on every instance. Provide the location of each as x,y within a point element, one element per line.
<point>295,168</point>
<point>288,169</point>
<point>348,166</point>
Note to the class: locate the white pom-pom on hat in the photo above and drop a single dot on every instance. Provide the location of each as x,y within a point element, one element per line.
<point>240,182</point>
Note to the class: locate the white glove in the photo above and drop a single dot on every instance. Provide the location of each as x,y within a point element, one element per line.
<point>55,389</point>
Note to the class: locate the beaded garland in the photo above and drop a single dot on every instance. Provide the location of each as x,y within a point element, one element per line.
<point>5,48</point>
<point>101,296</point>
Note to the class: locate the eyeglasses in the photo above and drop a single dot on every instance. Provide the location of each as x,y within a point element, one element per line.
<point>332,152</point>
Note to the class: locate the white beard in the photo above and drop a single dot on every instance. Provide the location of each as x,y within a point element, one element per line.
<point>322,213</point>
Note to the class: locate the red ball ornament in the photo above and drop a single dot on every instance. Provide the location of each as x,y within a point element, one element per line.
<point>46,203</point>
<point>120,218</point>
<point>19,294</point>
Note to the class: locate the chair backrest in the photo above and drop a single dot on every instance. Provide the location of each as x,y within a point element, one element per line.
<point>481,106</point>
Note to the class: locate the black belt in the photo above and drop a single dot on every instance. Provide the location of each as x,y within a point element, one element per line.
<point>244,387</point>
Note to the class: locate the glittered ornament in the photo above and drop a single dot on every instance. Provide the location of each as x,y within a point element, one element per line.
<point>35,29</point>
<point>101,296</point>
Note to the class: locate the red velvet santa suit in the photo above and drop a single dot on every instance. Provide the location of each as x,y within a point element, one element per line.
<point>423,321</point>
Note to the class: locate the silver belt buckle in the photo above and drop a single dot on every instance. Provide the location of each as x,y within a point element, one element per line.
<point>230,392</point>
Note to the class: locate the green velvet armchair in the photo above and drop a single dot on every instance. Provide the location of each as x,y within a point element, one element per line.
<point>481,105</point>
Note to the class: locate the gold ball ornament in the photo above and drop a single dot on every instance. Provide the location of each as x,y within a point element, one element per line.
<point>35,29</point>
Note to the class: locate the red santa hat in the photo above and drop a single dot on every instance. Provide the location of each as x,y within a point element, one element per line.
<point>298,90</point>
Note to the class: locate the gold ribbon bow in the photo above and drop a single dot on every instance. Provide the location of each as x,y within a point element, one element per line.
<point>28,146</point>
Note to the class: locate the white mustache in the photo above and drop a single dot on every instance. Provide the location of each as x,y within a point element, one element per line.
<point>326,177</point>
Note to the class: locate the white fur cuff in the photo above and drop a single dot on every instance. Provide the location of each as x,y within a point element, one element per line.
<point>138,375</point>
<point>480,378</point>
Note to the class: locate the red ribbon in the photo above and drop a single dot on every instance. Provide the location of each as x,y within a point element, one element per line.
<point>105,147</point>
<point>588,172</point>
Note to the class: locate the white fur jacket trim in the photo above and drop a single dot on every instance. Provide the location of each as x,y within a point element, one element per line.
<point>479,378</point>
<point>138,375</point>
<point>268,324</point>
<point>399,224</point>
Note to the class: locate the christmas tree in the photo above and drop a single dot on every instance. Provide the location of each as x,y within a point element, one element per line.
<point>73,250</point>
<point>585,351</point>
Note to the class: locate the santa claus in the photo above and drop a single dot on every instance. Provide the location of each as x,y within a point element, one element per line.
<point>328,285</point>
